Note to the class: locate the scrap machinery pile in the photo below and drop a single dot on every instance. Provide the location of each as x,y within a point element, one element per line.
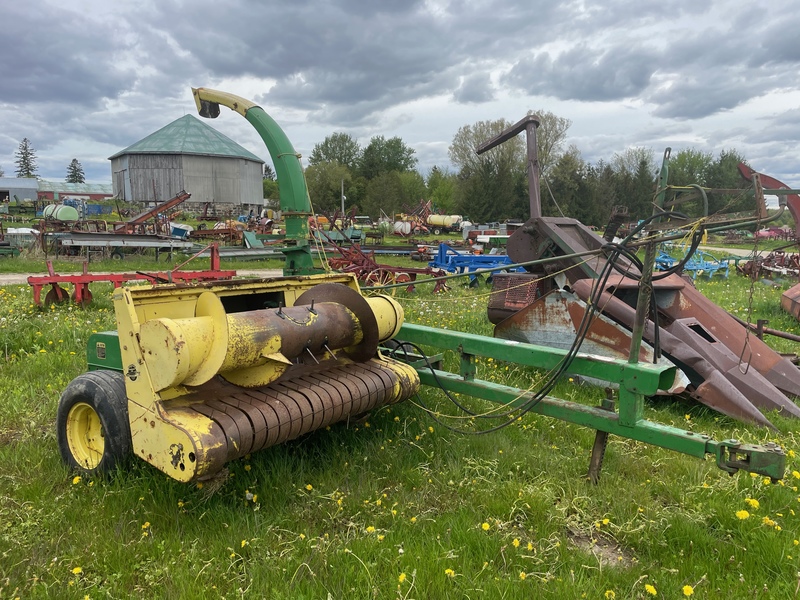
<point>198,375</point>
<point>720,363</point>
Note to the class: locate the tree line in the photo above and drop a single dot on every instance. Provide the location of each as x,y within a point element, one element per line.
<point>26,163</point>
<point>493,186</point>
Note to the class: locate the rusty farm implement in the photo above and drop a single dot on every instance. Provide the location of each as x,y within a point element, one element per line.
<point>199,375</point>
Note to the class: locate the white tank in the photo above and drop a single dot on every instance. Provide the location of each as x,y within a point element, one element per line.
<point>402,227</point>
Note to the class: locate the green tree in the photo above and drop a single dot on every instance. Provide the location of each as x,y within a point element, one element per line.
<point>383,156</point>
<point>2,172</point>
<point>270,189</point>
<point>269,183</point>
<point>507,156</point>
<point>337,147</point>
<point>723,173</point>
<point>601,194</point>
<point>324,182</point>
<point>384,192</point>
<point>630,160</point>
<point>567,184</point>
<point>492,193</point>
<point>486,187</point>
<point>414,188</point>
<point>25,159</point>
<point>441,190</point>
<point>75,172</point>
<point>689,166</point>
<point>550,137</point>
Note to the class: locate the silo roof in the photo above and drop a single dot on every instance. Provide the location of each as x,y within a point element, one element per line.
<point>188,135</point>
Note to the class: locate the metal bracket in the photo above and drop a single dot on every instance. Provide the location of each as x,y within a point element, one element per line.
<point>768,459</point>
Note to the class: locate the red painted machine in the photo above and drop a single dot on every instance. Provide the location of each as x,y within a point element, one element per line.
<point>82,295</point>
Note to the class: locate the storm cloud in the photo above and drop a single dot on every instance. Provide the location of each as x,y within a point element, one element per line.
<point>86,79</point>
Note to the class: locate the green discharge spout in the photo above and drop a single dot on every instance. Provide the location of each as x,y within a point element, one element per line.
<point>294,200</point>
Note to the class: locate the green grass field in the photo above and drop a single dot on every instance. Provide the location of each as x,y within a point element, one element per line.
<point>395,506</point>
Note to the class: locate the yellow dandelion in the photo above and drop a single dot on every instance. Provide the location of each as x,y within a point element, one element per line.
<point>766,481</point>
<point>401,578</point>
<point>247,467</point>
<point>796,474</point>
<point>77,571</point>
<point>413,519</point>
<point>485,526</point>
<point>381,537</point>
<point>309,487</point>
<point>146,525</point>
<point>610,595</point>
<point>76,480</point>
<point>515,543</point>
<point>523,575</point>
<point>688,590</point>
<point>450,573</point>
<point>752,502</point>
<point>529,546</point>
<point>370,529</point>
<point>650,589</point>
<point>742,514</point>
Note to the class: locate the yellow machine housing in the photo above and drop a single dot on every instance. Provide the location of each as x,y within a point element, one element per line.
<point>218,370</point>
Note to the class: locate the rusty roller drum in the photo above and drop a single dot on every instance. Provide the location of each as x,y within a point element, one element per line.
<point>258,378</point>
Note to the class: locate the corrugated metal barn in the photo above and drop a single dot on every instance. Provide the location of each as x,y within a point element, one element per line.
<point>187,155</point>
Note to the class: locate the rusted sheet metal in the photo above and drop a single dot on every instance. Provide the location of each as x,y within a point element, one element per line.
<point>776,369</point>
<point>557,236</point>
<point>712,366</point>
<point>553,320</point>
<point>790,301</point>
<point>677,300</point>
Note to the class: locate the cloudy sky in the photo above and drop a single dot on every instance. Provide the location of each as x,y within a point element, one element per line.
<point>86,78</point>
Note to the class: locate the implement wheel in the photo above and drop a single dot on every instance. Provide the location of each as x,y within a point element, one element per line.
<point>56,295</point>
<point>94,435</point>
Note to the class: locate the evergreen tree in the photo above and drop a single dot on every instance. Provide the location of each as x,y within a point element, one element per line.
<point>25,159</point>
<point>75,172</point>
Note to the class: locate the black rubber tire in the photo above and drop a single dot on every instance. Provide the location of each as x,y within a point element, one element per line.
<point>117,254</point>
<point>437,231</point>
<point>96,395</point>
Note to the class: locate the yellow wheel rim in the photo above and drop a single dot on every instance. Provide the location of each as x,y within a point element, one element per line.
<point>85,435</point>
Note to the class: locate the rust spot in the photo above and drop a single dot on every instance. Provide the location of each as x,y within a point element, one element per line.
<point>176,452</point>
